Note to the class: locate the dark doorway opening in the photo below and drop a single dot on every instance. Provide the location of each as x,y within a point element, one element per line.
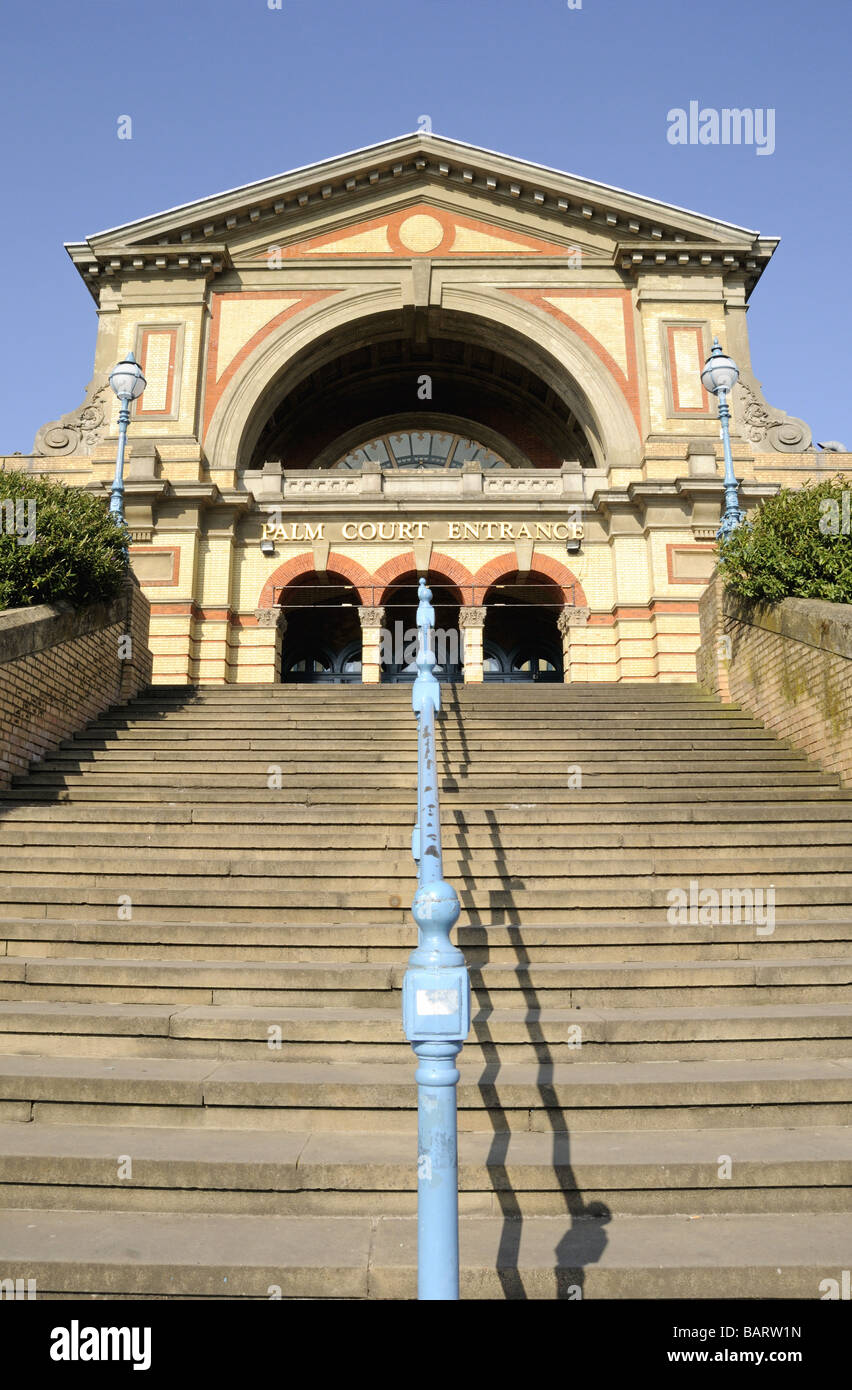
<point>521,640</point>
<point>322,644</point>
<point>399,639</point>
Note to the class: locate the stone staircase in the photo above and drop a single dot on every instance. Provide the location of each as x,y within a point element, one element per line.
<point>204,1091</point>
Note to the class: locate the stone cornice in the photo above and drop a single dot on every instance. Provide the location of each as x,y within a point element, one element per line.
<point>746,259</point>
<point>110,262</point>
<point>414,161</point>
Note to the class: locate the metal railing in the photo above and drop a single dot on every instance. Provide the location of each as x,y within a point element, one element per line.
<point>473,595</point>
<point>436,998</point>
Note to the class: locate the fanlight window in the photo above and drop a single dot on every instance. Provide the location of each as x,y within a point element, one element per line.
<point>421,449</point>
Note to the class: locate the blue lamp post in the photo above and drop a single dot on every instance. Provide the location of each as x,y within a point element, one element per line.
<point>719,376</point>
<point>435,1000</point>
<point>128,383</point>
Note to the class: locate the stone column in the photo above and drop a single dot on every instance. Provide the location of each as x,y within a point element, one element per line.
<point>264,661</point>
<point>471,627</point>
<point>372,622</point>
<point>568,620</point>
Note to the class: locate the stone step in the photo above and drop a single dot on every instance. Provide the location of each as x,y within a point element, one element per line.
<point>508,1035</point>
<point>134,743</point>
<point>517,943</point>
<point>789,1092</point>
<point>48,941</point>
<point>762,812</point>
<point>320,985</point>
<point>67,905</point>
<point>231,897</point>
<point>592,692</point>
<point>374,1173</point>
<point>303,778</point>
<point>159,1255</point>
<point>498,766</point>
<point>581,883</point>
<point>542,868</point>
<point>458,795</point>
<point>537,710</point>
<point>310,859</point>
<point>522,940</point>
<point>707,843</point>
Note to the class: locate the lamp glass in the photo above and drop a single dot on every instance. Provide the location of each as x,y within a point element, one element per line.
<point>127,380</point>
<point>720,373</point>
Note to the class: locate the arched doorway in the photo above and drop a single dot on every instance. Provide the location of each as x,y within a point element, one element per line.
<point>322,641</point>
<point>399,637</point>
<point>521,640</point>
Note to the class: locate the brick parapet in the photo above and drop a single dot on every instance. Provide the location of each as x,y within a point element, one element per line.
<point>61,667</point>
<point>789,665</point>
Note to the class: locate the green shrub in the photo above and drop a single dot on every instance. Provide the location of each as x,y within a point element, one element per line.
<point>797,545</point>
<point>69,547</point>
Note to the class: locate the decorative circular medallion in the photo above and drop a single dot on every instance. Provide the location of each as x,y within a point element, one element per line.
<point>421,232</point>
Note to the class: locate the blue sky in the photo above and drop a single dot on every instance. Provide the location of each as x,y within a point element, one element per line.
<point>224,92</point>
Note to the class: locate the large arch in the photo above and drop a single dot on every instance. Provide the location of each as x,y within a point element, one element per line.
<point>392,570</point>
<point>560,357</point>
<point>304,564</point>
<point>507,564</point>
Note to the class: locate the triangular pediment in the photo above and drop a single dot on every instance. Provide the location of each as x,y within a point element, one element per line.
<point>419,194</point>
<point>422,228</point>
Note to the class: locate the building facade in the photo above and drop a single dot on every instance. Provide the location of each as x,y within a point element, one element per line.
<point>424,358</point>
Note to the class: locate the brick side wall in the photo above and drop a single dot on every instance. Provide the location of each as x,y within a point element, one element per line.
<point>788,664</point>
<point>60,668</point>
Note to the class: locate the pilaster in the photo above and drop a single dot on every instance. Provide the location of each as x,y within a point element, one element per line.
<point>372,622</point>
<point>472,626</point>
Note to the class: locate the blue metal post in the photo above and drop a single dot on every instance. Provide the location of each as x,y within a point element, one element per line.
<point>732,515</point>
<point>128,383</point>
<point>436,1000</point>
<point>116,497</point>
<point>720,375</point>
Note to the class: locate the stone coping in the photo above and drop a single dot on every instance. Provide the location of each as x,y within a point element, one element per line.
<point>826,626</point>
<point>26,631</point>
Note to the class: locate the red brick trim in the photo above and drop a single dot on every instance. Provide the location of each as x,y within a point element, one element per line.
<point>637,613</point>
<point>629,384</point>
<point>178,608</point>
<point>165,411</point>
<point>215,386</point>
<point>698,330</point>
<point>517,243</point>
<point>304,564</point>
<point>443,565</point>
<point>543,565</point>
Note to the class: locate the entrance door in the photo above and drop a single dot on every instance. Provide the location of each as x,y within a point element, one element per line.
<point>399,643</point>
<point>529,662</point>
<point>318,665</point>
<point>322,641</point>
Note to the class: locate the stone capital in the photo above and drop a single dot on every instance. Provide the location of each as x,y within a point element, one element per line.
<point>271,617</point>
<point>471,617</point>
<point>572,617</point>
<point>372,617</point>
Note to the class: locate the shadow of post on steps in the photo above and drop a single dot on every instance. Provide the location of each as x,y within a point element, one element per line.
<point>585,1238</point>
